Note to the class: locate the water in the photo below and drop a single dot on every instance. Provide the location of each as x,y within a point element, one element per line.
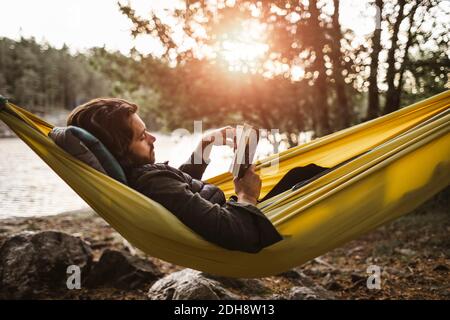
<point>28,187</point>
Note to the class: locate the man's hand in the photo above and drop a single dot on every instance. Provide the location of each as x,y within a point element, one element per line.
<point>218,137</point>
<point>221,137</point>
<point>248,187</point>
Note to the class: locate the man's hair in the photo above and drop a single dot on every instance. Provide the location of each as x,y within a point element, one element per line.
<point>108,119</point>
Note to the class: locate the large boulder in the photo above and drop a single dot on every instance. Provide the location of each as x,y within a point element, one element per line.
<point>33,262</point>
<point>189,284</point>
<point>119,269</point>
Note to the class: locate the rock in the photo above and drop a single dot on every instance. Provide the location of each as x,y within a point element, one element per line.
<point>315,272</point>
<point>278,296</point>
<point>324,263</point>
<point>302,293</point>
<point>246,286</point>
<point>394,271</point>
<point>32,262</point>
<point>357,278</point>
<point>306,288</point>
<point>330,283</point>
<point>290,274</point>
<point>302,279</point>
<point>119,269</point>
<point>128,247</point>
<point>334,286</point>
<point>354,250</point>
<point>306,281</point>
<point>5,229</point>
<point>99,245</point>
<point>405,252</point>
<point>189,284</point>
<point>305,293</point>
<point>441,268</point>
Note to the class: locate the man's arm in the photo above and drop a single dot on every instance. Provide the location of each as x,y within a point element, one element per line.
<point>199,160</point>
<point>196,165</point>
<point>235,226</point>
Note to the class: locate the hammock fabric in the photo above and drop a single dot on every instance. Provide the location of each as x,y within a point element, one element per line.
<point>384,168</point>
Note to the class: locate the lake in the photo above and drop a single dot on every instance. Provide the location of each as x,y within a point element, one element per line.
<point>28,187</point>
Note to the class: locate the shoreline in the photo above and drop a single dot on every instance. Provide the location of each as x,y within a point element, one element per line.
<point>81,211</point>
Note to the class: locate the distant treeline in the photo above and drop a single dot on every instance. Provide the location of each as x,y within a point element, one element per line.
<point>43,78</point>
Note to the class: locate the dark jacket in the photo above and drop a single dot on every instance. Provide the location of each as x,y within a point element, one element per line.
<point>202,206</point>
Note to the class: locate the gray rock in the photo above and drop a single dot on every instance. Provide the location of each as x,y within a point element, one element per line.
<point>306,281</point>
<point>189,284</point>
<point>32,262</point>
<point>334,286</point>
<point>355,277</point>
<point>290,274</point>
<point>406,252</point>
<point>314,293</point>
<point>278,296</point>
<point>306,288</point>
<point>245,286</point>
<point>300,278</point>
<point>441,268</point>
<point>302,293</point>
<point>119,269</point>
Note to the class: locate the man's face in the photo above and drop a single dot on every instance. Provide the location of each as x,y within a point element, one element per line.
<point>141,147</point>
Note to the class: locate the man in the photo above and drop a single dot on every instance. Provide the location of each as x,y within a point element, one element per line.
<point>235,224</point>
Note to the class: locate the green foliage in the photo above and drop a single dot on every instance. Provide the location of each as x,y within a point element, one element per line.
<point>334,88</point>
<point>182,86</point>
<point>43,78</point>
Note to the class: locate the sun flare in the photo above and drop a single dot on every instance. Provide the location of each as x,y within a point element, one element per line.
<point>244,47</point>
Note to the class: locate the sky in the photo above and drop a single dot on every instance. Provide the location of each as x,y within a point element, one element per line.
<point>83,24</point>
<point>80,24</point>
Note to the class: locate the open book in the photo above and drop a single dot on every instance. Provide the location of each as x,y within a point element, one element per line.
<point>247,139</point>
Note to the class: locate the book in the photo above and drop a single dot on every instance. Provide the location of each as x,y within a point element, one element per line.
<point>247,138</point>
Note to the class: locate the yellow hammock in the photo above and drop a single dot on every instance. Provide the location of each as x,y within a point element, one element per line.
<point>400,160</point>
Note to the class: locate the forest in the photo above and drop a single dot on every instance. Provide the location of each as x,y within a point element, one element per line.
<point>289,65</point>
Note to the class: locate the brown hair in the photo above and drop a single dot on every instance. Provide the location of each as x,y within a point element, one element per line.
<point>108,119</point>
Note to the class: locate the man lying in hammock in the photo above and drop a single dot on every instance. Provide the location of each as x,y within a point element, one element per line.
<point>235,224</point>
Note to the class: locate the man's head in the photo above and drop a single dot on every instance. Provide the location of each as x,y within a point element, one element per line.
<point>116,124</point>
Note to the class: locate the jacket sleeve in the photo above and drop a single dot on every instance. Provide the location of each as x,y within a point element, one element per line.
<point>234,226</point>
<point>195,166</point>
<point>194,170</point>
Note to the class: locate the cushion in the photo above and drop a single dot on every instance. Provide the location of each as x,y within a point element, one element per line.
<point>85,147</point>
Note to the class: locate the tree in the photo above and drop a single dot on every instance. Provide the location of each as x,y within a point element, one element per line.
<point>393,96</point>
<point>374,99</point>
<point>391,58</point>
<point>44,78</point>
<point>338,69</point>
<point>298,36</point>
<point>422,72</point>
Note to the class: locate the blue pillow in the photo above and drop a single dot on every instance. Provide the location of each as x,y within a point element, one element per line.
<point>85,147</point>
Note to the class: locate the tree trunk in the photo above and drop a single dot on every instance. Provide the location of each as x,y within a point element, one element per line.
<point>321,108</point>
<point>398,90</point>
<point>392,71</point>
<point>336,56</point>
<point>373,109</point>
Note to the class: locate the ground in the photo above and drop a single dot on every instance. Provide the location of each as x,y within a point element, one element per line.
<point>413,253</point>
